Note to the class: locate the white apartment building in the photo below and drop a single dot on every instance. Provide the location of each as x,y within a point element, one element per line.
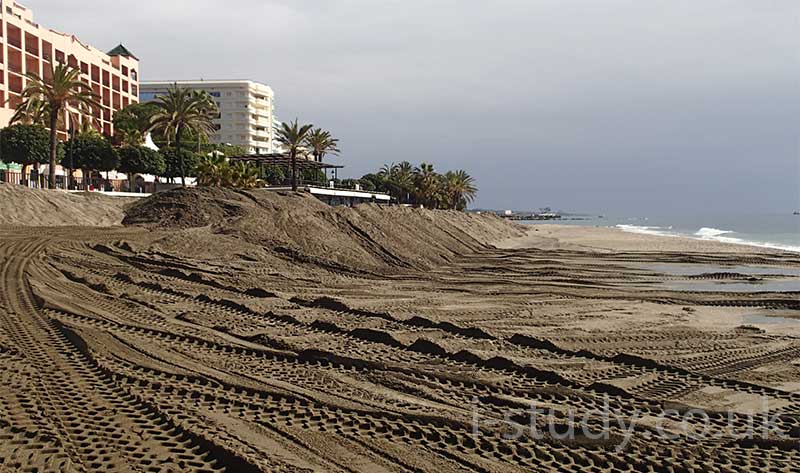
<point>246,110</point>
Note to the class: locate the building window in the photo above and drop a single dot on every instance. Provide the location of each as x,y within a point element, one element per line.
<point>134,90</point>
<point>15,84</point>
<point>84,68</point>
<point>47,50</point>
<point>124,71</point>
<point>31,44</point>
<point>31,64</point>
<point>147,96</point>
<point>15,61</point>
<point>214,94</point>
<point>133,74</point>
<point>60,56</point>
<point>15,36</point>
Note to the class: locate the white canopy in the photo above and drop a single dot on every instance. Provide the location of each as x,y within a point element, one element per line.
<point>115,176</point>
<point>44,169</point>
<point>145,177</point>
<point>148,142</point>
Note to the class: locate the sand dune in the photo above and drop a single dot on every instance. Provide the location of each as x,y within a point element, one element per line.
<point>38,207</point>
<point>367,237</point>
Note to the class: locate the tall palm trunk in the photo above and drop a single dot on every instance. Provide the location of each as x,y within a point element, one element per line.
<point>294,170</point>
<point>54,109</point>
<point>178,134</point>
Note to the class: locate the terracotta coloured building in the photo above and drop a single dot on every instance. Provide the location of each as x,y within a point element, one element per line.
<point>28,47</point>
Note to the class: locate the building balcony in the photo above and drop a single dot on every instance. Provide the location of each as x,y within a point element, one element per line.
<point>262,104</point>
<point>264,111</point>
<point>259,122</point>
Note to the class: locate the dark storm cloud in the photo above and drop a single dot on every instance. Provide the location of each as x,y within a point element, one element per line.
<point>626,106</point>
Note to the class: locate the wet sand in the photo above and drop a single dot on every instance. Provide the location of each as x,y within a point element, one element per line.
<point>611,239</point>
<point>240,344</point>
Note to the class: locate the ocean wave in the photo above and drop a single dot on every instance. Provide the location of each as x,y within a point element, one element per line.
<point>707,234</point>
<point>645,230</point>
<point>760,244</point>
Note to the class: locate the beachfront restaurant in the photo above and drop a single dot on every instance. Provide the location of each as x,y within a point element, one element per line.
<point>322,190</point>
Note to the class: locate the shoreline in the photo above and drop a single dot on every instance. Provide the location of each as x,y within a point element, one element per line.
<point>714,235</point>
<point>559,236</point>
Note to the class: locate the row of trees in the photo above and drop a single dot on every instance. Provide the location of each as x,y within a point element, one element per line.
<point>29,144</point>
<point>422,185</point>
<point>58,100</point>
<point>304,140</point>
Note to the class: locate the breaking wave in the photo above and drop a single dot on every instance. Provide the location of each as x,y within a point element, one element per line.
<point>710,233</point>
<point>644,230</point>
<point>706,233</point>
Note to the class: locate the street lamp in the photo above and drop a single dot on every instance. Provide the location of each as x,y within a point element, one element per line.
<point>69,154</point>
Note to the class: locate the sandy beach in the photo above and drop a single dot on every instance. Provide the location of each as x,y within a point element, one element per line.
<point>547,236</point>
<point>217,330</point>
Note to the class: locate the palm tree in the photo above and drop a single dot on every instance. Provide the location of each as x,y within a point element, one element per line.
<point>211,170</point>
<point>62,90</point>
<point>244,176</point>
<point>31,112</point>
<point>459,189</point>
<point>321,143</point>
<point>293,136</point>
<point>206,105</point>
<point>182,110</point>
<point>131,138</point>
<point>399,179</point>
<point>215,171</point>
<point>428,185</point>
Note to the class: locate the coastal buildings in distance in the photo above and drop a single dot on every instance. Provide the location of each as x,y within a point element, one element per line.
<point>246,110</point>
<point>28,47</point>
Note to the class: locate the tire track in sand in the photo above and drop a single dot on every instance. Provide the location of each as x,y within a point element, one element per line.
<point>99,425</point>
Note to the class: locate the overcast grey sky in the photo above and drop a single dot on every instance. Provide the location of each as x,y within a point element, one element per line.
<point>613,106</point>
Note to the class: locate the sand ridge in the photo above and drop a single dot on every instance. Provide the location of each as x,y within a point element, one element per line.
<point>41,207</point>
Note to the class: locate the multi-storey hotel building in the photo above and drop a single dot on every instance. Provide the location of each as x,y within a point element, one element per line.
<point>30,48</point>
<point>246,110</point>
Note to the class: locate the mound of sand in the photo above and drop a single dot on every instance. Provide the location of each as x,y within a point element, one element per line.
<point>301,227</point>
<point>39,207</point>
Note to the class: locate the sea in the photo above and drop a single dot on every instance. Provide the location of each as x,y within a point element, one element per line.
<point>768,231</point>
